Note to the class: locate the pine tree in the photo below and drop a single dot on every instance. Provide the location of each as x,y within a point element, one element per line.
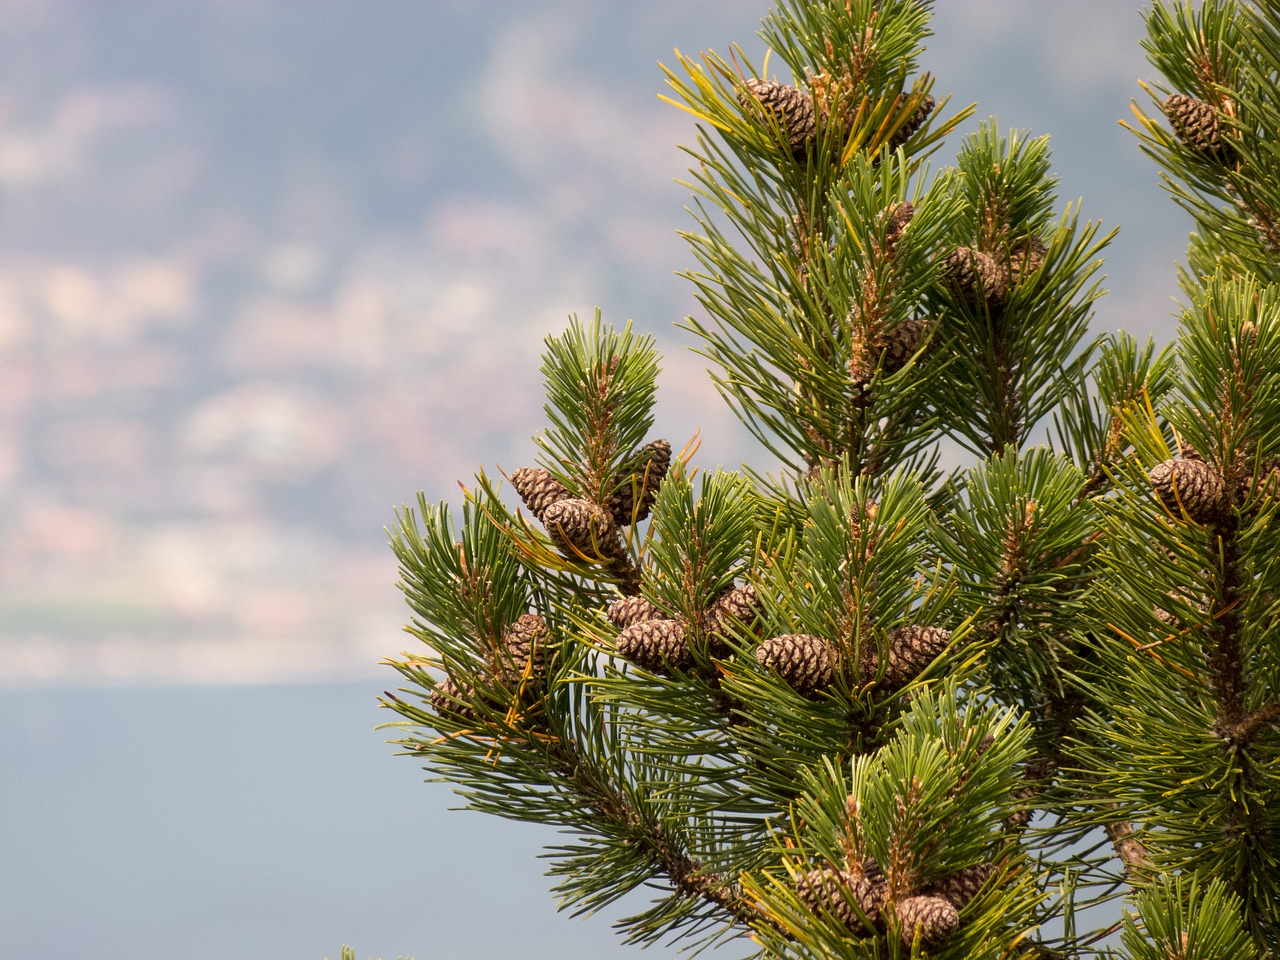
<point>882,705</point>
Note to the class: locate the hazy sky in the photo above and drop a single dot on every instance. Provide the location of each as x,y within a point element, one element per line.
<point>266,270</point>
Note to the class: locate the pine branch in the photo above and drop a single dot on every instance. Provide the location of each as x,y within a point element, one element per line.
<point>1128,848</point>
<point>665,853</point>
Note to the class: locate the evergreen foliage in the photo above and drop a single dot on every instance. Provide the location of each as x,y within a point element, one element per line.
<point>888,706</point>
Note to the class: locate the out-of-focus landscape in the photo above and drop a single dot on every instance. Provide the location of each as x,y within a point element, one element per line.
<point>267,269</point>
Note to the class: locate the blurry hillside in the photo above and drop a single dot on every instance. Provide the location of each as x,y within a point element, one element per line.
<point>266,269</point>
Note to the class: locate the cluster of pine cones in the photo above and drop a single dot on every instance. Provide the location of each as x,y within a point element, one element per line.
<point>514,673</point>
<point>981,276</point>
<point>581,528</point>
<point>799,119</point>
<point>810,664</point>
<point>858,897</point>
<point>659,642</point>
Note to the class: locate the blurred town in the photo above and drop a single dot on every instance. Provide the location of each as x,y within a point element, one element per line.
<point>262,277</point>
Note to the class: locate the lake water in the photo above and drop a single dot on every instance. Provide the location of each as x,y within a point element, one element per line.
<point>254,822</point>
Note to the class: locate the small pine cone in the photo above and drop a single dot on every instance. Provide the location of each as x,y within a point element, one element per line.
<point>538,489</point>
<point>1178,598</point>
<point>524,647</point>
<point>1191,485</point>
<point>1026,258</point>
<point>736,607</point>
<point>791,109</point>
<point>642,473</point>
<point>579,528</point>
<point>1264,220</point>
<point>913,122</point>
<point>657,645</point>
<point>1265,485</point>
<point>977,276</point>
<point>902,342</point>
<point>1196,125</point>
<point>628,610</point>
<point>1017,821</point>
<point>963,885</point>
<point>837,891</point>
<point>806,663</point>
<point>899,216</point>
<point>934,917</point>
<point>449,696</point>
<point>1189,452</point>
<point>911,649</point>
<point>739,605</point>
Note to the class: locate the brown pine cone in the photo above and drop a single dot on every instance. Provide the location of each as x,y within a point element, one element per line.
<point>1196,125</point>
<point>1191,485</point>
<point>524,645</point>
<point>580,529</point>
<point>790,108</point>
<point>1017,821</point>
<point>902,342</point>
<point>977,276</point>
<point>628,610</point>
<point>538,489</point>
<point>935,918</point>
<point>805,662</point>
<point>899,216</point>
<point>1264,485</point>
<point>449,696</point>
<point>657,645</point>
<point>642,473</point>
<point>1025,258</point>
<point>737,605</point>
<point>963,885</point>
<point>911,649</point>
<point>913,123</point>
<point>837,891</point>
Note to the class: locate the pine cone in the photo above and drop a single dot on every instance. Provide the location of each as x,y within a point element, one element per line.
<point>791,109</point>
<point>1191,485</point>
<point>1196,125</point>
<point>1026,258</point>
<point>657,645</point>
<point>735,607</point>
<point>642,472</point>
<point>524,645</point>
<point>911,649</point>
<point>1017,821</point>
<point>538,489</point>
<point>913,123</point>
<point>977,276</point>
<point>579,528</point>
<point>1264,485</point>
<point>837,891</point>
<point>628,610</point>
<point>806,663</point>
<point>738,605</point>
<point>449,696</point>
<point>902,342</point>
<point>899,216</point>
<point>963,885</point>
<point>934,917</point>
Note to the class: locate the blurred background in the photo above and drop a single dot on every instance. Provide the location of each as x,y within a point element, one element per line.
<point>269,268</point>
